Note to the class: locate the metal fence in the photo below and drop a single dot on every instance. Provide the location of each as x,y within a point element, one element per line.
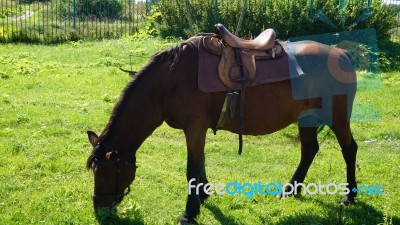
<point>58,20</point>
<point>52,21</point>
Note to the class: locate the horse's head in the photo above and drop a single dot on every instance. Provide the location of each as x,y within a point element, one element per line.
<point>113,172</point>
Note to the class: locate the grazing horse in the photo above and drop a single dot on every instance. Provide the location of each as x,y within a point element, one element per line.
<point>166,89</point>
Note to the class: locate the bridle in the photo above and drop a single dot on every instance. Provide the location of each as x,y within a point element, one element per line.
<point>117,197</point>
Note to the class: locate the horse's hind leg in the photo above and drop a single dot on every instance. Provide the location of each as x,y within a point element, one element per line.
<point>309,148</point>
<point>349,152</point>
<point>342,107</point>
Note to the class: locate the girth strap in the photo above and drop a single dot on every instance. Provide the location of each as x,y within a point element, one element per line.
<point>242,79</point>
<point>241,118</point>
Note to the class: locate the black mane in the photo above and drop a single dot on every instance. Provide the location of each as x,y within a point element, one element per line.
<point>172,56</point>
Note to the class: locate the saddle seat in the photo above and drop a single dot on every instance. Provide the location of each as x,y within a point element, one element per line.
<point>238,57</point>
<point>264,41</point>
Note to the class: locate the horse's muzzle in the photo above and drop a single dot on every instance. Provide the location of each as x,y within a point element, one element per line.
<point>108,201</point>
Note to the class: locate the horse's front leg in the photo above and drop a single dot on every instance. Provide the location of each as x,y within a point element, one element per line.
<point>195,133</point>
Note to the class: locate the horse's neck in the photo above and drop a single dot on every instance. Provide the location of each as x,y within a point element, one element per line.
<point>137,114</point>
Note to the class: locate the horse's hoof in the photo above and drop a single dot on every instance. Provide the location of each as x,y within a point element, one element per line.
<point>186,223</point>
<point>348,200</point>
<point>288,192</point>
<point>186,220</point>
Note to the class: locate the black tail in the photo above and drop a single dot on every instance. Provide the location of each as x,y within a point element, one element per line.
<point>350,56</point>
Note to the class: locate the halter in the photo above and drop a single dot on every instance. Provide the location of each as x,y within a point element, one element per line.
<point>117,197</point>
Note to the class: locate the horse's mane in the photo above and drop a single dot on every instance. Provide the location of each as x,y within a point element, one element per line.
<point>172,56</point>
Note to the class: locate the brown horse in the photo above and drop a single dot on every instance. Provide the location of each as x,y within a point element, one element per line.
<point>166,89</point>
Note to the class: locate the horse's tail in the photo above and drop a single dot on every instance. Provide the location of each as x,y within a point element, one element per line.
<point>350,56</point>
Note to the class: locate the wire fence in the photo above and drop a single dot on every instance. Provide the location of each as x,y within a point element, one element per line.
<point>52,21</point>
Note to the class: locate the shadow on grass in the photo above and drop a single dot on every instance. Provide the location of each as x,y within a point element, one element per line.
<point>361,213</point>
<point>219,215</point>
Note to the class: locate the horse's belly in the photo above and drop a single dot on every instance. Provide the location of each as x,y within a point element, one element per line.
<point>269,108</point>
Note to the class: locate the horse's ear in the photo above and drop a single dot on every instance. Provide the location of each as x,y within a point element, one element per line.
<point>131,73</point>
<point>93,138</point>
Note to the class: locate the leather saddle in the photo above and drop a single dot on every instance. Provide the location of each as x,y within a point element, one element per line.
<point>240,63</point>
<point>237,67</point>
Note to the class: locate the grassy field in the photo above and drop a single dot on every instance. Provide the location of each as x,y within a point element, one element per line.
<point>50,96</point>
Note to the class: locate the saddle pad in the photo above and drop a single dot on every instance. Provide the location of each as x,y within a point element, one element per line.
<point>267,71</point>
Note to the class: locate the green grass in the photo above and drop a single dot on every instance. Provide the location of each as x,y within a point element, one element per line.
<point>50,96</point>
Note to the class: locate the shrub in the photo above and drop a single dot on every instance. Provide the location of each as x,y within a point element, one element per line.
<point>289,18</point>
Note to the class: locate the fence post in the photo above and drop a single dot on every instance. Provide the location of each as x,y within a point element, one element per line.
<point>74,15</point>
<point>147,7</point>
<point>215,11</point>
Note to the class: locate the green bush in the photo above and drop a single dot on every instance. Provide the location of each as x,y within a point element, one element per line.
<point>389,56</point>
<point>174,21</point>
<point>290,18</point>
